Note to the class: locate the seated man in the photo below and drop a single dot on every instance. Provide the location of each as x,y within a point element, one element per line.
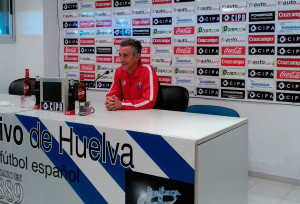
<point>135,84</point>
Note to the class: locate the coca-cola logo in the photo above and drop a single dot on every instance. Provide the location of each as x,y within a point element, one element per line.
<point>288,74</point>
<point>184,50</point>
<point>87,67</point>
<point>71,50</point>
<point>241,50</point>
<point>188,30</point>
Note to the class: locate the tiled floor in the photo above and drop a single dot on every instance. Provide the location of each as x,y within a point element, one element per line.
<point>270,192</point>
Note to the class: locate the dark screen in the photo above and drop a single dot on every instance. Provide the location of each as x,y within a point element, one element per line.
<point>52,91</point>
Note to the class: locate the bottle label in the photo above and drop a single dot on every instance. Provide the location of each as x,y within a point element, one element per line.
<point>81,93</point>
<point>26,88</point>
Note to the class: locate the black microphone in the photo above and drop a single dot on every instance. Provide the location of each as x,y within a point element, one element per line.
<point>101,75</point>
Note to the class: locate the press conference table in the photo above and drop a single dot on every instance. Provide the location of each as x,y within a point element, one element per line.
<point>121,156</point>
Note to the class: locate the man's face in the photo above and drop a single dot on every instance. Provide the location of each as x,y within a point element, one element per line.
<point>129,61</point>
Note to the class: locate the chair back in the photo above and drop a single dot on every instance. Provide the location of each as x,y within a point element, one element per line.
<point>174,98</point>
<point>212,110</point>
<point>17,87</point>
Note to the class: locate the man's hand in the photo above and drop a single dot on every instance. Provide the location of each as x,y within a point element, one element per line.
<point>113,103</point>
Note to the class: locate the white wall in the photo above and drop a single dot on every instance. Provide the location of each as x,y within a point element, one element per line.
<point>274,130</point>
<point>27,51</point>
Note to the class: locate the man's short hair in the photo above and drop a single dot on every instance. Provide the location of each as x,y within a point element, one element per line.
<point>136,45</point>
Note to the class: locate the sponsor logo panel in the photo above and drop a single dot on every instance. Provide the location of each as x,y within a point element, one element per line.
<point>87,50</point>
<point>233,62</point>
<point>233,83</point>
<point>162,31</point>
<point>141,12</point>
<point>71,75</point>
<point>87,67</point>
<point>70,41</point>
<point>288,3</point>
<point>87,5</point>
<point>141,2</point>
<point>183,71</point>
<point>141,22</point>
<point>255,62</point>
<point>188,50</point>
<point>86,24</point>
<point>146,60</point>
<point>182,60</point>
<point>122,32</point>
<point>103,4</point>
<point>208,8</point>
<point>207,71</point>
<point>289,15</point>
<point>146,50</point>
<point>162,21</point>
<point>261,4</point>
<point>103,14</point>
<point>262,16</point>
<point>121,13</point>
<point>70,24</point>
<point>87,75</point>
<point>288,86</point>
<point>260,73</point>
<point>87,33</point>
<point>207,50</point>
<point>234,94</point>
<point>288,75</point>
<point>234,17</point>
<point>228,7</point>
<point>288,39</point>
<point>187,30</point>
<point>208,61</point>
<point>87,59</point>
<point>234,50</point>
<point>141,31</point>
<point>183,1</point>
<point>208,82</point>
<point>183,20</point>
<point>122,3</point>
<point>208,40</point>
<point>69,16</point>
<point>161,50</point>
<point>71,50</point>
<point>87,41</point>
<point>207,92</point>
<point>260,84</point>
<point>105,67</point>
<point>288,62</point>
<point>70,33</point>
<point>262,28</point>
<point>161,41</point>
<point>208,29</point>
<point>118,41</point>
<point>104,59</point>
<point>103,41</point>
<point>229,40</point>
<point>86,15</point>
<point>70,58</point>
<point>183,41</point>
<point>212,18</point>
<point>103,84</point>
<point>104,32</point>
<point>288,97</point>
<point>261,39</point>
<point>144,41</point>
<point>288,27</point>
<point>260,95</point>
<point>237,28</point>
<point>162,61</point>
<point>261,50</point>
<point>71,67</point>
<point>288,51</point>
<point>165,79</point>
<point>104,50</point>
<point>233,73</point>
<point>161,1</point>
<point>161,11</point>
<point>122,22</point>
<point>181,80</point>
<point>70,6</point>
<point>163,70</point>
<point>103,23</point>
<point>184,10</point>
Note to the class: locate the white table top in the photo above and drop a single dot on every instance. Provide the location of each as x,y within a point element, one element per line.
<point>189,126</point>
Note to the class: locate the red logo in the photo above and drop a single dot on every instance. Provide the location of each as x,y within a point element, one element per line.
<point>261,39</point>
<point>146,50</point>
<point>117,41</point>
<point>184,50</point>
<point>87,41</point>
<point>165,79</point>
<point>86,24</point>
<point>187,30</point>
<point>288,62</point>
<point>87,67</point>
<point>145,60</point>
<point>211,40</point>
<point>70,58</point>
<point>289,75</point>
<point>289,15</point>
<point>117,60</point>
<point>234,62</point>
<point>141,22</point>
<point>103,23</point>
<point>161,41</point>
<point>239,50</point>
<point>71,50</point>
<point>87,76</point>
<point>104,59</point>
<point>161,1</point>
<point>103,4</point>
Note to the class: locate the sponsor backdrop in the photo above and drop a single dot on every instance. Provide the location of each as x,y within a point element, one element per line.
<point>50,161</point>
<point>239,51</point>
